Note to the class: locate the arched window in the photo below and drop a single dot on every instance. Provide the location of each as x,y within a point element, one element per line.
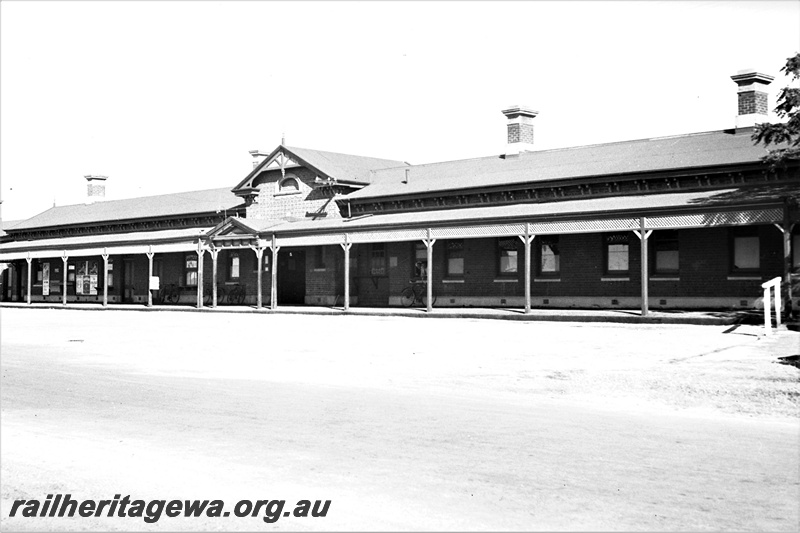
<point>289,184</point>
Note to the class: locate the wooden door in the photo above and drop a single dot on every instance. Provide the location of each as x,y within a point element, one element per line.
<point>291,277</point>
<point>128,290</point>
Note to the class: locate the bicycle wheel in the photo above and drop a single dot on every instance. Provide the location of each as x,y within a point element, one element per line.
<point>172,295</point>
<point>237,295</point>
<point>407,297</point>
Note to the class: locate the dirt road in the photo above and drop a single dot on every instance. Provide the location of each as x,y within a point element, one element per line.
<point>401,423</point>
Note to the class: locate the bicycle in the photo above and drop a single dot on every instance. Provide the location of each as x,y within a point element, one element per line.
<point>415,293</point>
<point>168,294</point>
<point>208,296</point>
<point>236,295</point>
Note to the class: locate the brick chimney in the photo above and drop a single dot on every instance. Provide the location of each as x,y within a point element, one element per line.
<point>95,188</point>
<point>753,105</point>
<point>520,129</point>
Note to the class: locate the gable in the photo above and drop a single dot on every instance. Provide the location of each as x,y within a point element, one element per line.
<point>232,227</point>
<point>274,169</point>
<point>351,171</point>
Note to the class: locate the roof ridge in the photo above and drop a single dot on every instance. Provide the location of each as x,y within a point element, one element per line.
<point>642,139</point>
<point>101,202</point>
<point>342,153</point>
<point>564,148</point>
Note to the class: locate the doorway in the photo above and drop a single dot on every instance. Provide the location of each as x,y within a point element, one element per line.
<point>291,277</point>
<point>127,281</point>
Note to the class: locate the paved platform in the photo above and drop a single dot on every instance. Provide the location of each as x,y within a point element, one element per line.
<point>630,316</point>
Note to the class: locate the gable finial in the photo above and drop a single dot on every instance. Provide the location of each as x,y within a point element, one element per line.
<point>283,139</point>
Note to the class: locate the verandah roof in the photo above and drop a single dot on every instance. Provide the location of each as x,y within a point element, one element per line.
<point>710,202</point>
<point>173,240</point>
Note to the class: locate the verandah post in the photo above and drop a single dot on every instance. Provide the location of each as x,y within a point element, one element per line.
<point>105,277</point>
<point>200,252</point>
<point>64,258</point>
<point>273,293</point>
<point>149,276</point>
<point>259,251</point>
<point>28,280</point>
<point>214,254</point>
<point>527,239</point>
<point>643,235</point>
<point>429,242</point>
<point>346,245</point>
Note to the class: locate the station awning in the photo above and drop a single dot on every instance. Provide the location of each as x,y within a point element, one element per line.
<point>163,241</point>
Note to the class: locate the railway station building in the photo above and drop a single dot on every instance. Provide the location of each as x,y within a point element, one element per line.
<point>694,221</point>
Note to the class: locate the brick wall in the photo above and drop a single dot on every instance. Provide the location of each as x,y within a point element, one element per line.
<point>272,203</point>
<point>705,259</point>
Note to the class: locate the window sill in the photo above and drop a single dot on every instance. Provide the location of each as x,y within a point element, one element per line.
<point>665,278</point>
<point>320,270</point>
<point>287,193</point>
<point>616,279</point>
<point>452,281</point>
<point>546,280</point>
<point>506,280</point>
<point>744,278</point>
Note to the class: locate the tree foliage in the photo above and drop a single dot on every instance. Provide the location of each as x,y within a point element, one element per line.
<point>786,134</point>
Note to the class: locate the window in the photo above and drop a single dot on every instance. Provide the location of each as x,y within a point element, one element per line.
<point>454,252</point>
<point>665,252</point>
<point>420,260</point>
<point>549,256</point>
<point>508,256</point>
<point>616,252</point>
<point>233,266</point>
<point>746,252</point>
<point>377,259</point>
<point>39,272</point>
<point>190,270</point>
<point>289,184</point>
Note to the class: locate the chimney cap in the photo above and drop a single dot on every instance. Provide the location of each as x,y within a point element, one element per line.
<point>519,110</point>
<point>91,177</point>
<point>748,76</point>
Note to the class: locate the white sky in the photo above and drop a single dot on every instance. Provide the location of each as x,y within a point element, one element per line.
<point>170,96</point>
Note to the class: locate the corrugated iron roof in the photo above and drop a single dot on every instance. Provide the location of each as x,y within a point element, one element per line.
<point>645,155</point>
<point>639,205</point>
<point>344,166</point>
<point>7,224</point>
<point>165,205</point>
<point>147,237</point>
